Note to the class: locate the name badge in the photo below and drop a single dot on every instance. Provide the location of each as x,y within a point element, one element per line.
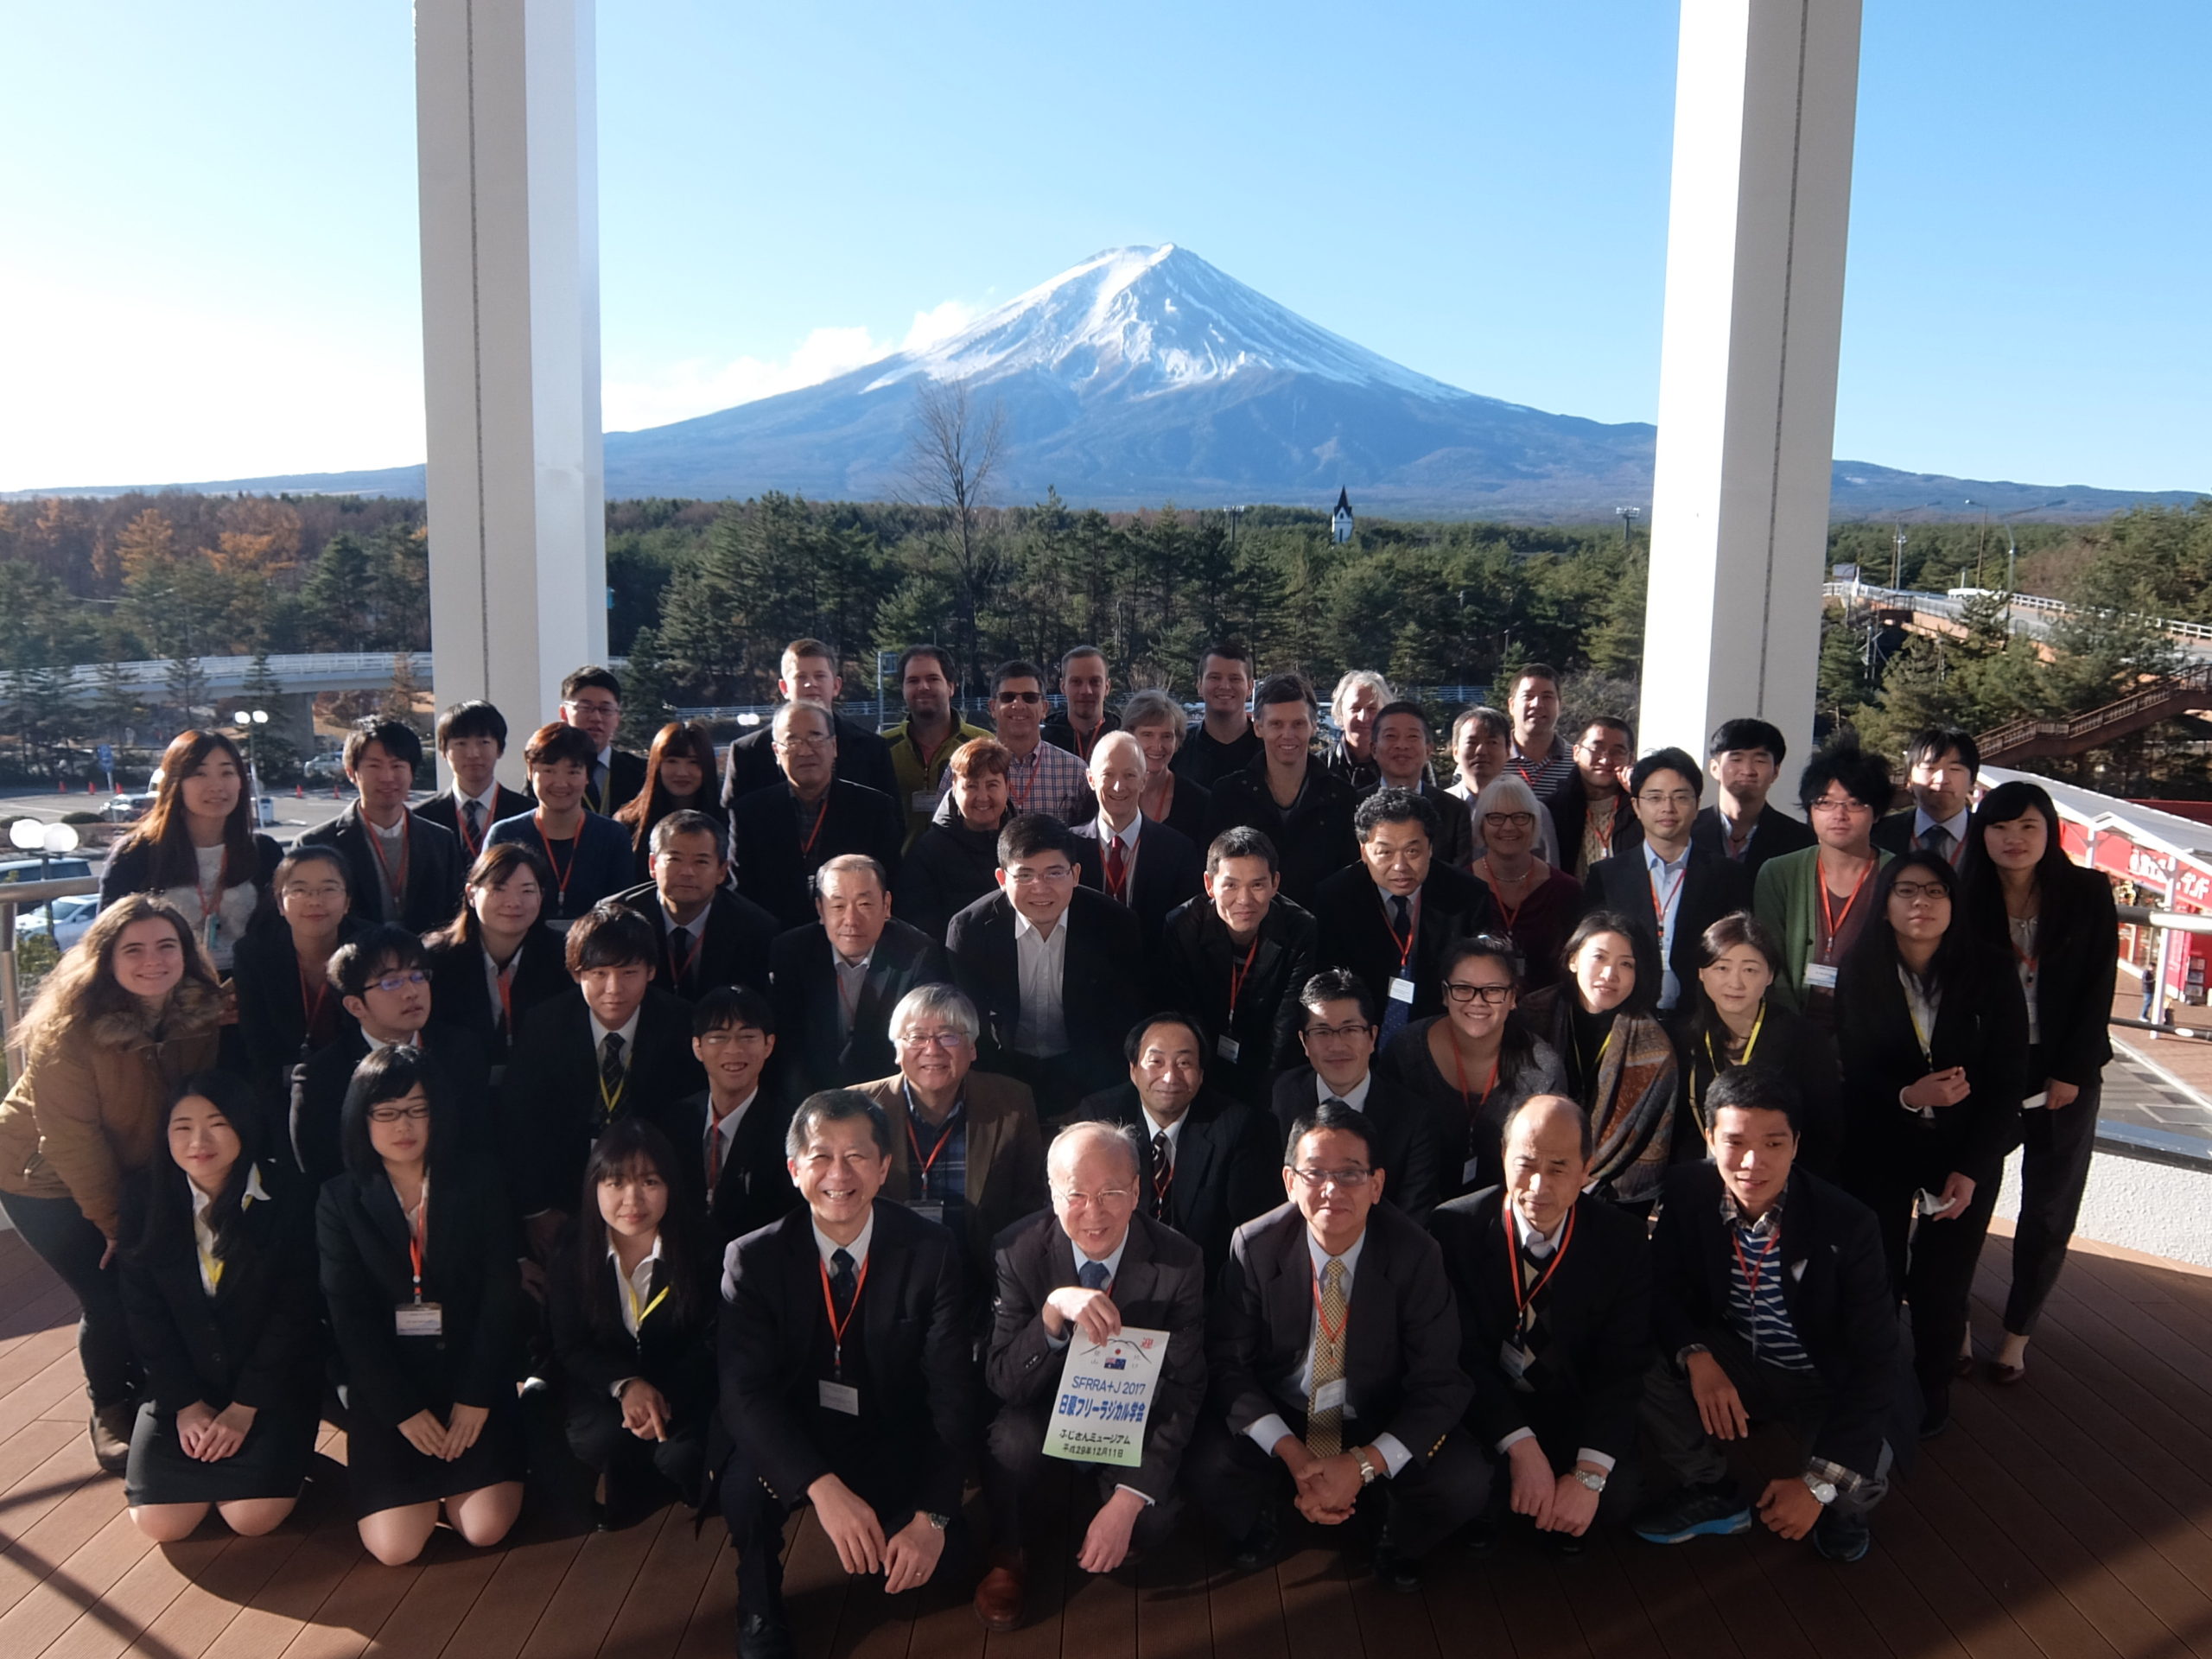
<point>2036,1102</point>
<point>923,801</point>
<point>1820,976</point>
<point>1228,1047</point>
<point>1469,1170</point>
<point>839,1396</point>
<point>1330,1396</point>
<point>928,1210</point>
<point>1402,989</point>
<point>419,1319</point>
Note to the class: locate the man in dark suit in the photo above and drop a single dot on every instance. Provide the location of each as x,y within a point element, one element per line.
<point>787,832</point>
<point>965,1148</point>
<point>1286,792</point>
<point>1390,916</point>
<point>1094,1265</point>
<point>1234,959</point>
<point>472,737</point>
<point>731,1136</point>
<point>710,935</point>
<point>1943,762</point>
<point>1669,889</point>
<point>615,1045</point>
<point>1744,759</point>
<point>1207,1155</point>
<point>810,675</point>
<point>835,981</point>
<point>1555,1297</point>
<point>1336,1030</point>
<point>847,1374</point>
<point>400,868</point>
<point>1333,1360</point>
<point>591,701</point>
<point>1124,854</point>
<point>1770,1298</point>
<point>1590,816</point>
<point>1049,966</point>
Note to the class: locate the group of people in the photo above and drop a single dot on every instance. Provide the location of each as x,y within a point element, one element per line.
<point>1510,1145</point>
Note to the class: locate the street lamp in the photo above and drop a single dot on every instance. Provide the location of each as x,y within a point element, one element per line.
<point>47,840</point>
<point>1628,517</point>
<point>252,720</point>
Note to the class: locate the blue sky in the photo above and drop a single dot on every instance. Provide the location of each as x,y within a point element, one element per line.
<point>210,266</point>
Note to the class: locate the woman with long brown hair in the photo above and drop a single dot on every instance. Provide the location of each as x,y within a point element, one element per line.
<point>679,777</point>
<point>197,846</point>
<point>133,1009</point>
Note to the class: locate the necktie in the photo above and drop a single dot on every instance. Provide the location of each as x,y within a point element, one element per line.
<point>714,1154</point>
<point>475,812</point>
<point>610,1073</point>
<point>1402,925</point>
<point>1325,1430</point>
<point>842,1284</point>
<point>1937,840</point>
<point>679,954</point>
<point>1163,1173</point>
<point>1334,1100</point>
<point>1092,1275</point>
<point>1118,869</point>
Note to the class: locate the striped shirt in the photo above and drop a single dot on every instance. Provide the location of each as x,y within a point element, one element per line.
<point>1757,1310</point>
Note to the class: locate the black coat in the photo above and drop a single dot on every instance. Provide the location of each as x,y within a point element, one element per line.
<point>1405,1144</point>
<point>1835,1282</point>
<point>1797,1048</point>
<point>1570,811</point>
<point>863,758</point>
<point>1197,963</point>
<point>917,1379</point>
<point>755,1190</point>
<point>434,868</point>
<point>1169,872</point>
<point>1712,888</point>
<point>775,869</point>
<point>463,988</point>
<point>258,1341</point>
<point>673,1353</point>
<point>468,1268</point>
<point>443,809</point>
<point>1160,1285</point>
<point>1596,1313</point>
<point>734,950</point>
<point>811,1054</point>
<point>130,868</point>
<point>1098,1002</point>
<point>551,1106</point>
<point>625,779</point>
<point>947,868</point>
<point>318,1098</point>
<point>1204,762</point>
<point>1313,839</point>
<point>1401,1343</point>
<point>1355,931</point>
<point>273,1009</point>
<point>1777,833</point>
<point>2077,964</point>
<point>1226,1157</point>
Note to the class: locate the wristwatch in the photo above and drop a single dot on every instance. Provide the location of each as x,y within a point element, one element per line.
<point>1593,1478</point>
<point>940,1521</point>
<point>1822,1490</point>
<point>1368,1471</point>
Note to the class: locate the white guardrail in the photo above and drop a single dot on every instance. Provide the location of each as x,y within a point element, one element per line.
<point>1954,605</point>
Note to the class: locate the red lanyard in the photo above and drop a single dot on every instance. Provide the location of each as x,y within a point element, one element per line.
<point>396,883</point>
<point>1829,920</point>
<point>560,876</point>
<point>1751,1274</point>
<point>1237,977</point>
<point>1413,926</point>
<point>944,1139</point>
<point>417,1237</point>
<point>684,969</point>
<point>1021,795</point>
<point>1659,902</point>
<point>1510,912</point>
<point>504,979</point>
<point>1459,1065</point>
<point>837,1326</point>
<point>312,1006</point>
<point>1523,1295</point>
<point>470,844</point>
<point>806,846</point>
<point>207,906</point>
<point>1332,1338</point>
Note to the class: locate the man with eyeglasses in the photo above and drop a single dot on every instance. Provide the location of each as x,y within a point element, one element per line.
<point>1312,1400</point>
<point>965,1148</point>
<point>735,1127</point>
<point>1816,900</point>
<point>785,832</point>
<point>1075,1277</point>
<point>1041,777</point>
<point>1337,1033</point>
<point>1590,811</point>
<point>382,978</point>
<point>836,980</point>
<point>591,701</point>
<point>1669,887</point>
<point>808,674</point>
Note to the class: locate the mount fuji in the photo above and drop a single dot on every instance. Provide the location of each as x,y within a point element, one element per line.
<point>1145,375</point>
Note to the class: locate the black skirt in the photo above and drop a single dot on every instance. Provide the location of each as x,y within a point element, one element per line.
<point>272,1462</point>
<point>386,1471</point>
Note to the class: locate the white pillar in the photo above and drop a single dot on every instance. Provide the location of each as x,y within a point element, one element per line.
<point>1765,100</point>
<point>507,117</point>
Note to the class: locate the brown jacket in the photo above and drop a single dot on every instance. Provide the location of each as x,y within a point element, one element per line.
<point>87,1109</point>
<point>1005,1157</point>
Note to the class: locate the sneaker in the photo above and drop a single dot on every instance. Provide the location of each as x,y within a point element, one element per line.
<point>1841,1537</point>
<point>1716,1510</point>
<point>111,1426</point>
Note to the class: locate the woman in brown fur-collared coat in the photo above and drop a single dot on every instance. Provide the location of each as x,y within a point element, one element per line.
<point>131,1010</point>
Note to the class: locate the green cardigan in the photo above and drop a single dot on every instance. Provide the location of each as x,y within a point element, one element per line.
<point>1786,899</point>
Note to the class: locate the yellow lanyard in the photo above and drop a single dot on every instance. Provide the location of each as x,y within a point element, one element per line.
<point>637,1315</point>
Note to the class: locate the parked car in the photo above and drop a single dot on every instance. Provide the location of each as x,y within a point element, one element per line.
<point>16,870</point>
<point>325,768</point>
<point>126,809</point>
<point>63,920</point>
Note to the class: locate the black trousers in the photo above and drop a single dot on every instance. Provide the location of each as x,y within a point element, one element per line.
<point>72,1246</point>
<point>1015,1466</point>
<point>1677,1438</point>
<point>756,1515</point>
<point>1931,1262</point>
<point>1423,1503</point>
<point>2055,1150</point>
<point>640,1473</point>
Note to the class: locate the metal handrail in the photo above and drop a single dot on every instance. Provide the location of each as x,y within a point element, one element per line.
<point>2197,677</point>
<point>27,895</point>
<point>1945,605</point>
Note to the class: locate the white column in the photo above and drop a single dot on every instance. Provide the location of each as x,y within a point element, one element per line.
<point>1765,100</point>
<point>507,157</point>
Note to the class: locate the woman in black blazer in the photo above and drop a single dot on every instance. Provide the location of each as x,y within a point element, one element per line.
<point>2058,923</point>
<point>497,959</point>
<point>632,1297</point>
<point>218,1289</point>
<point>1934,1039</point>
<point>287,1009</point>
<point>418,1271</point>
<point>197,846</point>
<point>1734,1022</point>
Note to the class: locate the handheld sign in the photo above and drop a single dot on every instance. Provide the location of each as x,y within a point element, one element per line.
<point>1105,1393</point>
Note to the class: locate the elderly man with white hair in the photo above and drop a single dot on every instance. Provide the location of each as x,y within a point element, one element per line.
<point>1080,1274</point>
<point>1137,861</point>
<point>965,1148</point>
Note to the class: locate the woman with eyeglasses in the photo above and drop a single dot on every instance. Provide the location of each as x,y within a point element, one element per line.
<point>499,958</point>
<point>286,1007</point>
<point>1620,1063</point>
<point>218,1287</point>
<point>680,772</point>
<point>1933,1031</point>
<point>631,1300</point>
<point>1537,903</point>
<point>1469,1066</point>
<point>1735,1021</point>
<point>2057,923</point>
<point>418,1273</point>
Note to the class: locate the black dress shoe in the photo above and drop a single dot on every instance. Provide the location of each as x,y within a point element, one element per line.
<point>763,1635</point>
<point>1399,1570</point>
<point>112,1428</point>
<point>1937,1415</point>
<point>1258,1547</point>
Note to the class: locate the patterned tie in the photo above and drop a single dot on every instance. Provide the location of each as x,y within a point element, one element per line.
<point>475,812</point>
<point>714,1153</point>
<point>610,1073</point>
<point>1163,1174</point>
<point>842,1284</point>
<point>1092,1275</point>
<point>1395,1012</point>
<point>1118,869</point>
<point>1325,1430</point>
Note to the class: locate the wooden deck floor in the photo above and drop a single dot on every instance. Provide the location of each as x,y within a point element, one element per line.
<point>2071,1518</point>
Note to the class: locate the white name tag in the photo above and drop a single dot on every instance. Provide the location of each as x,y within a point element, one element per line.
<point>1469,1170</point>
<point>928,1210</point>
<point>1820,976</point>
<point>839,1396</point>
<point>1402,990</point>
<point>1228,1048</point>
<point>419,1319</point>
<point>1330,1396</point>
<point>2037,1101</point>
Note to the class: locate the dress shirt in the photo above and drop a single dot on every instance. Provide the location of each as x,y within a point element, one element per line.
<point>414,1041</point>
<point>388,852</point>
<point>857,1250</point>
<point>1174,1133</point>
<point>1042,961</point>
<point>1112,1262</point>
<point>628,1031</point>
<point>1355,1096</point>
<point>1128,837</point>
<point>1668,877</point>
<point>1541,1246</point>
<point>852,985</point>
<point>641,1288</point>
<point>1921,823</point>
<point>1047,780</point>
<point>1923,1003</point>
<point>724,1130</point>
<point>204,1234</point>
<point>1271,1427</point>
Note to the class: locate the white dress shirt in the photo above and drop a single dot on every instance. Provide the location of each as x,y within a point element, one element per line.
<point>1042,1031</point>
<point>1271,1427</point>
<point>857,1250</point>
<point>724,1130</point>
<point>1541,1245</point>
<point>1355,1096</point>
<point>203,1234</point>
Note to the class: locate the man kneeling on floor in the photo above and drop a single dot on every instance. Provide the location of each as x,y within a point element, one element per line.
<point>1769,1298</point>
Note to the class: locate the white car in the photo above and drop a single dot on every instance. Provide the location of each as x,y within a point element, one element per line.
<point>64,920</point>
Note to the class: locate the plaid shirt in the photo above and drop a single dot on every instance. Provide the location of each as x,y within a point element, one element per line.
<point>1049,780</point>
<point>943,1149</point>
